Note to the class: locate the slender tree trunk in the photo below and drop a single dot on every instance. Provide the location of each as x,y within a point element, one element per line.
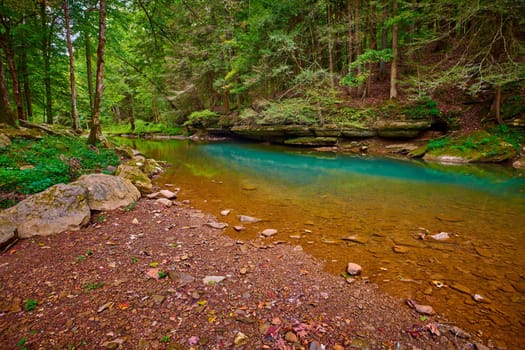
<point>372,45</point>
<point>14,77</point>
<point>393,68</point>
<point>497,104</point>
<point>95,133</point>
<point>6,114</point>
<point>357,41</point>
<point>46,54</point>
<point>330,43</point>
<point>25,79</point>
<point>350,33</point>
<point>382,64</point>
<point>74,113</point>
<point>89,70</point>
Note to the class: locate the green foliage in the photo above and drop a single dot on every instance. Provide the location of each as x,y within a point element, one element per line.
<point>32,166</point>
<point>131,206</point>
<point>289,111</point>
<point>30,304</point>
<point>202,119</point>
<point>141,128</point>
<point>438,143</point>
<point>422,108</point>
<point>165,339</point>
<point>514,137</point>
<point>162,274</point>
<point>21,343</point>
<point>89,286</point>
<point>515,105</point>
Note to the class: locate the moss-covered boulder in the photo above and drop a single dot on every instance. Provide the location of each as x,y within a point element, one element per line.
<point>136,176</point>
<point>106,192</point>
<point>401,128</point>
<point>478,146</point>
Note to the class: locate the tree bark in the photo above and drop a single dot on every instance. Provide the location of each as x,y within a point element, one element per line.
<point>497,104</point>
<point>382,64</point>
<point>46,55</point>
<point>357,42</point>
<point>25,80</point>
<point>14,77</point>
<point>393,68</point>
<point>350,34</point>
<point>89,71</point>
<point>330,43</point>
<point>74,113</point>
<point>6,114</point>
<point>95,134</point>
<point>372,46</point>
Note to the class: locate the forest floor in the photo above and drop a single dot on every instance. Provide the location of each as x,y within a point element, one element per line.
<point>133,279</point>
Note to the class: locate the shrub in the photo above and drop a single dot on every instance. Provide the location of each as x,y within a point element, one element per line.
<point>202,119</point>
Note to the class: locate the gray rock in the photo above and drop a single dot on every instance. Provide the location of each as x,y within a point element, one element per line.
<point>269,232</point>
<point>168,194</point>
<point>59,208</point>
<point>7,229</point>
<point>217,225</point>
<point>164,201</point>
<point>442,236</point>
<point>136,176</point>
<point>246,218</point>
<point>354,269</point>
<point>226,212</point>
<point>213,279</point>
<point>106,192</point>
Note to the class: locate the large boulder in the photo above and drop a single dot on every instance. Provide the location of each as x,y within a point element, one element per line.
<point>7,229</point>
<point>136,176</point>
<point>59,208</point>
<point>4,141</point>
<point>106,192</point>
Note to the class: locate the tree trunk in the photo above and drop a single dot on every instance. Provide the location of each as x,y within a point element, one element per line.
<point>74,112</point>
<point>497,104</point>
<point>25,80</point>
<point>89,71</point>
<point>393,68</point>
<point>46,54</point>
<point>350,34</point>
<point>6,114</point>
<point>382,64</point>
<point>357,42</point>
<point>14,77</point>
<point>95,134</point>
<point>330,43</point>
<point>372,46</point>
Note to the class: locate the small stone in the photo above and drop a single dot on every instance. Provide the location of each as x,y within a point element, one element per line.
<point>238,228</point>
<point>243,271</point>
<point>354,269</point>
<point>269,232</point>
<point>226,212</point>
<point>458,332</point>
<point>135,221</point>
<point>168,194</point>
<point>240,339</point>
<point>400,249</point>
<point>290,337</point>
<point>442,236</point>
<point>164,201</point>
<point>217,225</point>
<point>480,299</point>
<point>105,306</point>
<point>158,299</point>
<point>422,309</point>
<point>246,218</point>
<point>213,279</point>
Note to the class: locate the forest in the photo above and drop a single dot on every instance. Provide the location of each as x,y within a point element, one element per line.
<point>89,63</point>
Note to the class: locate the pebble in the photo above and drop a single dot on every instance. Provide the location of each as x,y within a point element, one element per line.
<point>238,228</point>
<point>158,299</point>
<point>164,201</point>
<point>213,279</point>
<point>217,225</point>
<point>240,339</point>
<point>226,212</point>
<point>354,269</point>
<point>243,271</point>
<point>269,232</point>
<point>442,236</point>
<point>246,218</point>
<point>135,221</point>
<point>458,332</point>
<point>291,337</point>
<point>168,194</point>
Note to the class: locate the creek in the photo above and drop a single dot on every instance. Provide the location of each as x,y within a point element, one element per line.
<point>379,213</point>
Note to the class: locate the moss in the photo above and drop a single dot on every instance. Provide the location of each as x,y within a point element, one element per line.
<point>312,141</point>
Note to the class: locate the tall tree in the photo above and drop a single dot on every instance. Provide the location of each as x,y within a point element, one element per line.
<point>6,114</point>
<point>47,29</point>
<point>95,134</point>
<point>393,67</point>
<point>74,112</point>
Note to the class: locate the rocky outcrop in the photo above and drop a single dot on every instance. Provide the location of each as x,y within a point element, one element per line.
<point>106,192</point>
<point>59,208</point>
<point>65,207</point>
<point>401,129</point>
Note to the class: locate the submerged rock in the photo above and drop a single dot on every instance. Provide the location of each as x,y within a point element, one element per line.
<point>269,232</point>
<point>353,269</point>
<point>249,219</point>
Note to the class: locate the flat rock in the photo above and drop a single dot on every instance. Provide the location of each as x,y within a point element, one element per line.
<point>226,212</point>
<point>107,192</point>
<point>400,249</point>
<point>442,236</point>
<point>213,279</point>
<point>356,239</point>
<point>164,201</point>
<point>168,194</point>
<point>248,219</point>
<point>269,232</point>
<point>217,225</point>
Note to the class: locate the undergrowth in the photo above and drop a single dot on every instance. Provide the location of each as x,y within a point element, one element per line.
<point>29,166</point>
<point>141,128</point>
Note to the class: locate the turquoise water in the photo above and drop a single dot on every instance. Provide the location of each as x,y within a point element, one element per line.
<point>319,200</point>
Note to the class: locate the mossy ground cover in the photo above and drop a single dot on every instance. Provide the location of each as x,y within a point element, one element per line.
<point>30,166</point>
<point>141,128</point>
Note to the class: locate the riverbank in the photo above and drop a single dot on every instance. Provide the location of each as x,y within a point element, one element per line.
<point>133,279</point>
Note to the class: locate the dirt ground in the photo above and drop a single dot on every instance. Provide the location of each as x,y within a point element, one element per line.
<point>133,279</point>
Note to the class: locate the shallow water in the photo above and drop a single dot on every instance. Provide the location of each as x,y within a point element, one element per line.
<point>342,208</point>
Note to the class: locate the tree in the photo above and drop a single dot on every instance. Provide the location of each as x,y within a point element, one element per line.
<point>6,114</point>
<point>95,134</point>
<point>393,66</point>
<point>74,112</point>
